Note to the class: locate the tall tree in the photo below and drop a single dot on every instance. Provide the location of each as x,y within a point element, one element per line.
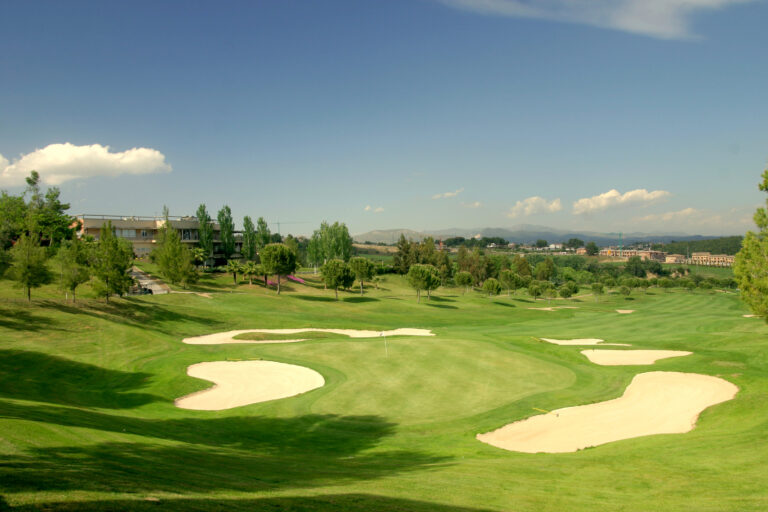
<point>29,267</point>
<point>13,212</point>
<point>751,263</point>
<point>263,236</point>
<point>337,274</point>
<point>363,268</point>
<point>521,266</point>
<point>72,260</point>
<point>250,243</point>
<point>234,267</point>
<point>509,279</point>
<point>227,231</point>
<point>492,286</point>
<point>174,259</point>
<point>423,277</point>
<point>574,243</point>
<point>592,249</point>
<point>315,251</point>
<point>278,259</point>
<point>205,232</point>
<point>464,279</point>
<point>111,261</point>
<point>404,257</point>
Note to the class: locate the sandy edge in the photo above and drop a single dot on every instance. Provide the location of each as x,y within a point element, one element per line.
<point>584,341</point>
<point>229,336</point>
<point>630,357</point>
<point>625,311</point>
<point>653,403</point>
<point>239,383</point>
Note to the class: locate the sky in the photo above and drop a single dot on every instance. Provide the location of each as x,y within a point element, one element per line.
<point>594,115</point>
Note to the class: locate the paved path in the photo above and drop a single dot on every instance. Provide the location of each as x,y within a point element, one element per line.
<point>145,281</point>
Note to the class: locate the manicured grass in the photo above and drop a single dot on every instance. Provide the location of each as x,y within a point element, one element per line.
<point>87,420</point>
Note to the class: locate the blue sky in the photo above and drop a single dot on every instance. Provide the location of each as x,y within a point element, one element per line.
<point>620,115</point>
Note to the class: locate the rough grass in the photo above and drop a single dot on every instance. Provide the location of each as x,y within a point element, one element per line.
<point>87,420</point>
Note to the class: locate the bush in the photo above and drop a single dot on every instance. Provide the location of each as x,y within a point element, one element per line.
<point>492,286</point>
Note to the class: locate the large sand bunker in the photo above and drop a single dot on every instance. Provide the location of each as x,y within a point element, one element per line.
<point>630,357</point>
<point>239,383</point>
<point>229,336</point>
<point>584,341</point>
<point>625,311</point>
<point>653,403</point>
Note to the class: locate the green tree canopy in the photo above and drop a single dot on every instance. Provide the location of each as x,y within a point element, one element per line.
<point>205,232</point>
<point>464,279</point>
<point>278,259</point>
<point>423,277</point>
<point>29,268</point>
<point>111,261</point>
<point>592,249</point>
<point>173,258</point>
<point>492,286</point>
<point>72,260</point>
<point>363,268</point>
<point>751,263</point>
<point>226,231</point>
<point>263,235</point>
<point>337,274</point>
<point>250,244</point>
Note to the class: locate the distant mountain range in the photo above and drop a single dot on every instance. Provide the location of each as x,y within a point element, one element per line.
<point>526,233</point>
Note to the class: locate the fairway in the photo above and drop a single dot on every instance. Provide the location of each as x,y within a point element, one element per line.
<point>88,419</point>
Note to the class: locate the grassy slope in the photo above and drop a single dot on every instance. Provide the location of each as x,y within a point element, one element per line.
<point>87,418</point>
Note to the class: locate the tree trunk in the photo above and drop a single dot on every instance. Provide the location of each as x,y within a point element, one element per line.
<point>337,292</point>
<point>361,287</point>
<point>29,294</point>
<point>278,284</point>
<point>428,294</point>
<point>418,296</point>
<point>234,277</point>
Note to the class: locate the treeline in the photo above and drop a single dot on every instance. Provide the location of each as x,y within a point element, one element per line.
<point>36,235</point>
<point>725,245</point>
<point>458,241</point>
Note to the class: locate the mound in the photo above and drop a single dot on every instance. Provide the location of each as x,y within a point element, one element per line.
<point>653,403</point>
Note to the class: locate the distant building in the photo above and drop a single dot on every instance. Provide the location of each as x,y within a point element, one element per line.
<point>143,232</point>
<point>644,254</point>
<point>581,251</point>
<point>555,247</point>
<point>711,260</point>
<point>674,258</point>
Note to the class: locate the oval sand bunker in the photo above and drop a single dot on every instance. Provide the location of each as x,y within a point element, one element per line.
<point>630,357</point>
<point>583,341</point>
<point>239,383</point>
<point>653,403</point>
<point>219,338</point>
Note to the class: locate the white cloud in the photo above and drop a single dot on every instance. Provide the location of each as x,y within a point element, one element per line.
<point>670,216</point>
<point>58,163</point>
<point>367,208</point>
<point>378,210</point>
<point>474,204</point>
<point>533,205</point>
<point>446,195</point>
<point>614,198</point>
<point>663,19</point>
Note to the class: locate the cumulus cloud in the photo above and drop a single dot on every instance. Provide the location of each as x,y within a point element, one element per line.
<point>686,213</point>
<point>533,205</point>
<point>446,195</point>
<point>58,163</point>
<point>614,198</point>
<point>474,204</point>
<point>663,19</point>
<point>369,208</point>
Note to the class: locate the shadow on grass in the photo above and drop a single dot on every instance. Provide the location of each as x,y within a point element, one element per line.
<point>441,299</point>
<point>441,306</point>
<point>316,298</point>
<point>326,503</point>
<point>46,378</point>
<point>505,304</point>
<point>358,300</point>
<point>195,455</point>
<point>20,320</point>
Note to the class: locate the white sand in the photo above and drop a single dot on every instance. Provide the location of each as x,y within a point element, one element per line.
<point>630,357</point>
<point>653,403</point>
<point>625,311</point>
<point>239,383</point>
<point>553,308</point>
<point>751,316</point>
<point>229,336</point>
<point>584,341</point>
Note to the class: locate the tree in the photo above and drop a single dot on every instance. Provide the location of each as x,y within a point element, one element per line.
<point>111,261</point>
<point>444,266</point>
<point>250,244</point>
<point>226,231</point>
<point>574,243</point>
<point>28,265</point>
<point>464,279</point>
<point>534,289</point>
<point>72,260</point>
<point>597,290</point>
<point>363,269</point>
<point>541,243</point>
<point>509,279</point>
<point>205,232</point>
<point>592,249</point>
<point>13,213</point>
<point>315,251</point>
<point>45,215</point>
<point>174,259</point>
<point>278,259</point>
<point>492,286</point>
<point>263,236</point>
<point>635,267</point>
<point>337,274</point>
<point>521,266</point>
<point>751,263</point>
<point>545,270</point>
<point>423,277</point>
<point>568,289</point>
<point>234,267</point>
<point>250,269</point>
<point>404,257</point>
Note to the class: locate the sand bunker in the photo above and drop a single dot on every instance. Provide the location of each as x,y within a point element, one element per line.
<point>584,341</point>
<point>239,383</point>
<point>625,311</point>
<point>630,357</point>
<point>751,316</point>
<point>553,308</point>
<point>653,403</point>
<point>229,336</point>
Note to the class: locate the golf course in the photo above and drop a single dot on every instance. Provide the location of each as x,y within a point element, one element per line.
<point>90,417</point>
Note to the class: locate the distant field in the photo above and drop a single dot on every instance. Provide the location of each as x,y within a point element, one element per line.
<point>87,420</point>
